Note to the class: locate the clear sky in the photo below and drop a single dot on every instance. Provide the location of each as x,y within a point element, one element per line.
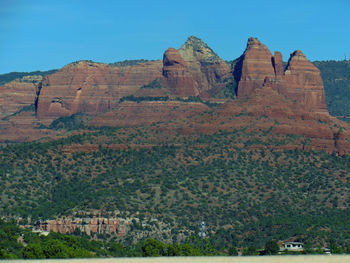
<point>47,34</point>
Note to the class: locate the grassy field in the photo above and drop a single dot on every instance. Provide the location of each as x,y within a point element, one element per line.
<point>265,259</point>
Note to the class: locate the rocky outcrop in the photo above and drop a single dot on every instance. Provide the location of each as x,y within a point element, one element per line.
<point>256,66</point>
<point>266,109</point>
<point>301,81</point>
<point>194,70</point>
<point>177,76</point>
<point>17,94</point>
<point>207,69</point>
<point>96,88</point>
<point>89,226</point>
<point>277,62</point>
<point>91,88</point>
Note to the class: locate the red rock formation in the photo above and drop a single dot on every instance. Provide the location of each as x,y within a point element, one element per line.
<point>208,70</point>
<point>177,76</point>
<point>95,88</point>
<point>301,81</point>
<point>255,67</point>
<point>87,225</point>
<point>17,94</point>
<point>91,88</point>
<point>278,65</point>
<point>284,117</point>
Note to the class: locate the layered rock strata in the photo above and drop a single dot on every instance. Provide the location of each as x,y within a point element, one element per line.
<point>177,76</point>
<point>207,69</point>
<point>91,88</point>
<point>301,81</point>
<point>17,94</point>
<point>89,226</point>
<point>96,88</point>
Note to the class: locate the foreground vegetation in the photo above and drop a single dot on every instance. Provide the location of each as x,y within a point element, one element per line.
<point>22,243</point>
<point>17,243</point>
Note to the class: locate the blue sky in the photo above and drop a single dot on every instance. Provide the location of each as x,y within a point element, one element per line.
<point>47,34</point>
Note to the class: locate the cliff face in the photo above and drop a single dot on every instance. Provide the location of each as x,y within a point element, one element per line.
<point>158,91</point>
<point>177,76</point>
<point>91,88</point>
<point>267,109</point>
<point>301,81</point>
<point>208,70</point>
<point>194,70</point>
<point>256,66</point>
<point>87,225</point>
<point>95,88</point>
<point>17,94</point>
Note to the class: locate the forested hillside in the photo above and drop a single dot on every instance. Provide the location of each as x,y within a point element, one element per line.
<point>336,80</point>
<point>246,194</point>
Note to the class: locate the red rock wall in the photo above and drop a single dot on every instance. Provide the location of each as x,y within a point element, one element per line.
<point>15,95</point>
<point>95,88</point>
<point>87,225</point>
<point>301,81</point>
<point>91,87</point>
<point>256,67</point>
<point>177,76</point>
<point>206,68</point>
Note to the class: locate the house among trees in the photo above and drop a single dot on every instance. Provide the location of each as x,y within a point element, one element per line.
<point>292,246</point>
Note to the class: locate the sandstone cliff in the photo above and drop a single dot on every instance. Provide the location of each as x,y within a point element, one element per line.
<point>208,70</point>
<point>96,88</point>
<point>143,93</point>
<point>89,226</point>
<point>177,76</point>
<point>119,227</point>
<point>301,81</point>
<point>17,94</point>
<point>91,88</point>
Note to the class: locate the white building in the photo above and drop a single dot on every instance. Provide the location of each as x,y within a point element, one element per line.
<point>293,246</point>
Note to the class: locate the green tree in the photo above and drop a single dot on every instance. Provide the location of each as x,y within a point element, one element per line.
<point>250,251</point>
<point>153,248</point>
<point>271,247</point>
<point>232,251</point>
<point>55,249</point>
<point>32,251</point>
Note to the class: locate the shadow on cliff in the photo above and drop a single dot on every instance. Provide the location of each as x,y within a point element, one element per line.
<point>237,70</point>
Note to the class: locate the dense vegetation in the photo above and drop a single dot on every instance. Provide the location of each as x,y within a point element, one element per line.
<point>245,197</point>
<point>4,78</point>
<point>73,122</point>
<point>336,80</point>
<point>22,243</point>
<point>16,242</point>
